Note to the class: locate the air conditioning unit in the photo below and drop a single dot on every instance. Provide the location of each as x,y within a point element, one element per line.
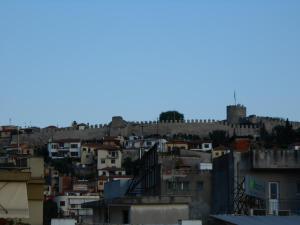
<point>258,212</point>
<point>284,212</point>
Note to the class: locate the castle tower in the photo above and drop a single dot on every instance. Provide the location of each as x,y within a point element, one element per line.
<point>235,113</point>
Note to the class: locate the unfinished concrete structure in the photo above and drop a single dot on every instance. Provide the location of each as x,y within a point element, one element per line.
<point>264,180</point>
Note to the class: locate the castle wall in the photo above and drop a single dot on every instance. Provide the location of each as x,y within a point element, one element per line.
<point>193,127</point>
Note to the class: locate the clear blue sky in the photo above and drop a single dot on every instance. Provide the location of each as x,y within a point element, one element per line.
<point>89,60</point>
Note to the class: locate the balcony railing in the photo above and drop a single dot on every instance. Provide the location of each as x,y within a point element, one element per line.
<point>275,159</point>
<point>279,207</point>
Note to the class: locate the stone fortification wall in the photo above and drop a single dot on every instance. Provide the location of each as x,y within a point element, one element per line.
<point>270,123</point>
<point>194,127</point>
<point>42,137</point>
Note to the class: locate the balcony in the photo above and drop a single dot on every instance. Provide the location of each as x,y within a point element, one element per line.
<point>112,156</point>
<point>275,159</point>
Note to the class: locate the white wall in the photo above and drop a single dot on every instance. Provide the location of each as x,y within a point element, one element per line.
<point>158,214</point>
<point>106,155</point>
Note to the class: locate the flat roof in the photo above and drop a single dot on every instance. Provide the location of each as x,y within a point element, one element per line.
<point>134,200</point>
<point>258,220</point>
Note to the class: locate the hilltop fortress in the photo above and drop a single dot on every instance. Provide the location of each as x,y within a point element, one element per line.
<point>237,122</point>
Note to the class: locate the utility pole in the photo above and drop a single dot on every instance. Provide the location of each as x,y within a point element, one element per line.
<point>234,95</point>
<point>18,128</point>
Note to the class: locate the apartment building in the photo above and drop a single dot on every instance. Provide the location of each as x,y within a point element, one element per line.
<point>69,205</point>
<point>64,148</point>
<point>21,194</point>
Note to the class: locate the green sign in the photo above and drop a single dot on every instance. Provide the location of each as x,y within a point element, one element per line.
<point>255,187</point>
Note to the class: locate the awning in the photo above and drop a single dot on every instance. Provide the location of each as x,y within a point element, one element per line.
<point>13,200</point>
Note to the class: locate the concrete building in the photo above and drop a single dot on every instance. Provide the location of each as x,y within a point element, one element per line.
<point>21,193</point>
<point>109,156</point>
<point>176,145</point>
<point>69,205</point>
<point>189,174</point>
<point>166,185</point>
<point>135,142</point>
<point>89,153</point>
<point>109,164</point>
<point>21,148</point>
<point>200,145</point>
<point>141,210</point>
<point>267,181</point>
<point>64,148</point>
<point>219,151</point>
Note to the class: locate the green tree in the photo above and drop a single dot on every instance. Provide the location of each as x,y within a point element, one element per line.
<point>267,140</point>
<point>63,166</point>
<point>171,116</point>
<point>297,135</point>
<point>219,137</point>
<point>42,151</point>
<point>74,124</point>
<point>131,167</point>
<point>284,135</point>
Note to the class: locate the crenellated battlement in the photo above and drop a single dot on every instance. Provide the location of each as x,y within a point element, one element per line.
<point>202,127</point>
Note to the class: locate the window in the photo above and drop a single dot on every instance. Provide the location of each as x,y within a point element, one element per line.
<point>73,206</point>
<point>113,161</point>
<point>62,203</point>
<point>84,149</point>
<point>206,145</point>
<point>54,146</point>
<point>74,153</point>
<point>113,154</point>
<point>273,189</point>
<point>185,186</point>
<point>89,150</point>
<point>74,145</point>
<point>103,173</point>
<point>125,216</point>
<point>102,161</point>
<point>298,188</point>
<point>200,185</point>
<point>179,186</point>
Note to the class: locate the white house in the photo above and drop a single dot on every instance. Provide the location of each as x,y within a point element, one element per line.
<point>135,142</point>
<point>200,145</point>
<point>70,205</point>
<point>109,156</point>
<point>109,165</point>
<point>89,153</point>
<point>64,148</point>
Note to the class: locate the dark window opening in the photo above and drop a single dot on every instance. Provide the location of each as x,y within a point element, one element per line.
<point>125,217</point>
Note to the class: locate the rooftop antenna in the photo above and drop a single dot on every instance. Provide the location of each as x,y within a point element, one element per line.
<point>234,95</point>
<point>9,121</point>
